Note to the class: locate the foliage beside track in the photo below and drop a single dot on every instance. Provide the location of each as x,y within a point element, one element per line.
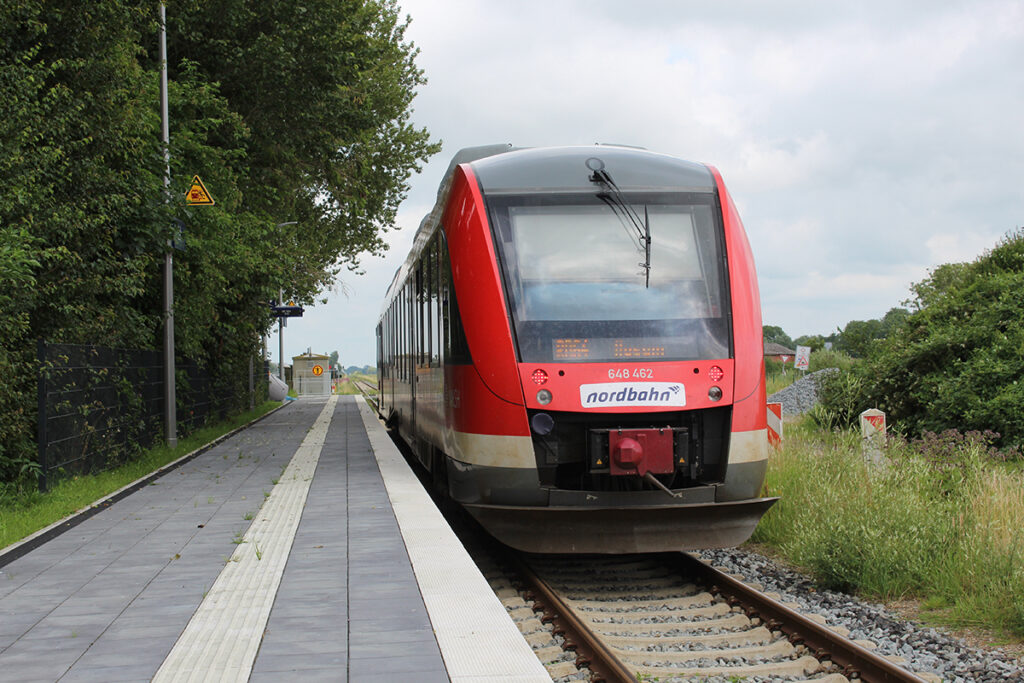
<point>956,361</point>
<point>289,111</point>
<point>939,521</point>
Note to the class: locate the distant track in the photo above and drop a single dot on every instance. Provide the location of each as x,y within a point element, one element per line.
<point>367,389</point>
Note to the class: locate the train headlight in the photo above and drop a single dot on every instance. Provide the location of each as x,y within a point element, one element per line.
<point>715,393</point>
<point>544,397</point>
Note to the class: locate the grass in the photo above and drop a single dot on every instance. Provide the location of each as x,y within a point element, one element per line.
<point>946,532</point>
<point>778,382</point>
<point>23,513</point>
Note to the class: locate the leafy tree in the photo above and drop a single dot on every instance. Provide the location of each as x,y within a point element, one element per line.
<point>773,334</point>
<point>955,362</point>
<point>294,111</point>
<point>324,88</point>
<point>893,320</point>
<point>79,209</point>
<point>816,342</point>
<point>856,338</point>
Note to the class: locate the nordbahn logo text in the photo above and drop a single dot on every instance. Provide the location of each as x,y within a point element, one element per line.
<point>632,394</point>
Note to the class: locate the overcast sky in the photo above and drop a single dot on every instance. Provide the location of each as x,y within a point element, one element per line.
<point>864,143</point>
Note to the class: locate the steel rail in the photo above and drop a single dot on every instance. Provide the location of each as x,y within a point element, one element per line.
<point>823,642</point>
<point>590,650</point>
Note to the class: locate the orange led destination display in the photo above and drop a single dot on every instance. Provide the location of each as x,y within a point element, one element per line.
<point>571,349</point>
<point>624,350</point>
<point>584,349</point>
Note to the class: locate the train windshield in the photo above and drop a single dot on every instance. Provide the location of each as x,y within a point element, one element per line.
<point>582,288</point>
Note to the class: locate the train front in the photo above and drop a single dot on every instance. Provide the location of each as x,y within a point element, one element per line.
<point>630,338</point>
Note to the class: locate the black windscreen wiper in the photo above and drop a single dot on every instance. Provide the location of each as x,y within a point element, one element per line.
<point>614,198</point>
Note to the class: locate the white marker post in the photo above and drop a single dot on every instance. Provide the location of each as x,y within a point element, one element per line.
<point>872,429</point>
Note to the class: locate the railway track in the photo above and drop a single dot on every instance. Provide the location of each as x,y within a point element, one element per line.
<point>671,617</point>
<point>368,390</point>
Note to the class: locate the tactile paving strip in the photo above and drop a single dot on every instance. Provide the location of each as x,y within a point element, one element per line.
<point>221,641</point>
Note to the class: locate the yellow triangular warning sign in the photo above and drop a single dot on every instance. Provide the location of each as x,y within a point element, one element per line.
<point>197,194</point>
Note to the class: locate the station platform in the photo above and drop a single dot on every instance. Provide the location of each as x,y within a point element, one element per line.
<point>301,548</point>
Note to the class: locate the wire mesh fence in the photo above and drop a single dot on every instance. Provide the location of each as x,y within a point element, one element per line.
<point>100,406</point>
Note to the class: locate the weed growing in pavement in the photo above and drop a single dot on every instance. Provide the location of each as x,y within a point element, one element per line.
<point>248,516</point>
<point>259,553</point>
<point>941,521</point>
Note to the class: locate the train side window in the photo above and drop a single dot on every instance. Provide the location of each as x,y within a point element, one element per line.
<point>435,302</point>
<point>380,344</point>
<point>410,303</point>
<point>456,348</point>
<point>403,331</point>
<point>428,304</point>
<point>445,275</point>
<point>420,301</point>
<point>389,349</point>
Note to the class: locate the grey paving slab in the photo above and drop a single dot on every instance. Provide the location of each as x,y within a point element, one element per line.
<point>107,600</point>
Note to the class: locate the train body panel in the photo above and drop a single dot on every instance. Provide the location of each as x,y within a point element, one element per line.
<point>573,350</point>
<point>477,285</point>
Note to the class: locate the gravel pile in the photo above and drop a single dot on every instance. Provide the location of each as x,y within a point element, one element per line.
<point>924,649</point>
<point>801,395</point>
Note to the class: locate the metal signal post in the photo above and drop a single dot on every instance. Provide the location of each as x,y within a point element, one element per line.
<point>170,395</point>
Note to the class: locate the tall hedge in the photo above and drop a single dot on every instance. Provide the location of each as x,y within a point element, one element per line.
<point>957,360</point>
<point>288,111</point>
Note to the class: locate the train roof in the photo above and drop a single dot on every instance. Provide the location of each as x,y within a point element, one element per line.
<point>568,169</point>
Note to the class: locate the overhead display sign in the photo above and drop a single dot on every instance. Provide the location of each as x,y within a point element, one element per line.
<point>289,310</point>
<point>197,194</point>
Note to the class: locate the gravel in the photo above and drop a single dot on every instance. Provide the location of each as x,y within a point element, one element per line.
<point>801,395</point>
<point>925,649</point>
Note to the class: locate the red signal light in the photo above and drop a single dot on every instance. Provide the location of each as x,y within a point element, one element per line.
<point>715,373</point>
<point>539,377</point>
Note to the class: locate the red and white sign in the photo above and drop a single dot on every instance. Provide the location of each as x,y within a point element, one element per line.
<point>775,424</point>
<point>803,357</point>
<point>872,421</point>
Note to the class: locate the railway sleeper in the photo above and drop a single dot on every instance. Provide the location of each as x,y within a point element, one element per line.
<point>718,609</point>
<point>804,666</point>
<point>627,606</point>
<point>754,636</point>
<point>777,649</point>
<point>729,623</point>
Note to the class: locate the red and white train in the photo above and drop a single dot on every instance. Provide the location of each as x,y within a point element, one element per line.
<point>573,350</point>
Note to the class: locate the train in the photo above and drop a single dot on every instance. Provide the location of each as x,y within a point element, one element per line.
<point>573,352</point>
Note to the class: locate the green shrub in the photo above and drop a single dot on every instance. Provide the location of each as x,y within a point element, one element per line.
<point>955,361</point>
<point>832,358</point>
<point>940,520</point>
<point>840,401</point>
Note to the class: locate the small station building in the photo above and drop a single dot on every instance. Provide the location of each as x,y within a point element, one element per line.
<point>311,374</point>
